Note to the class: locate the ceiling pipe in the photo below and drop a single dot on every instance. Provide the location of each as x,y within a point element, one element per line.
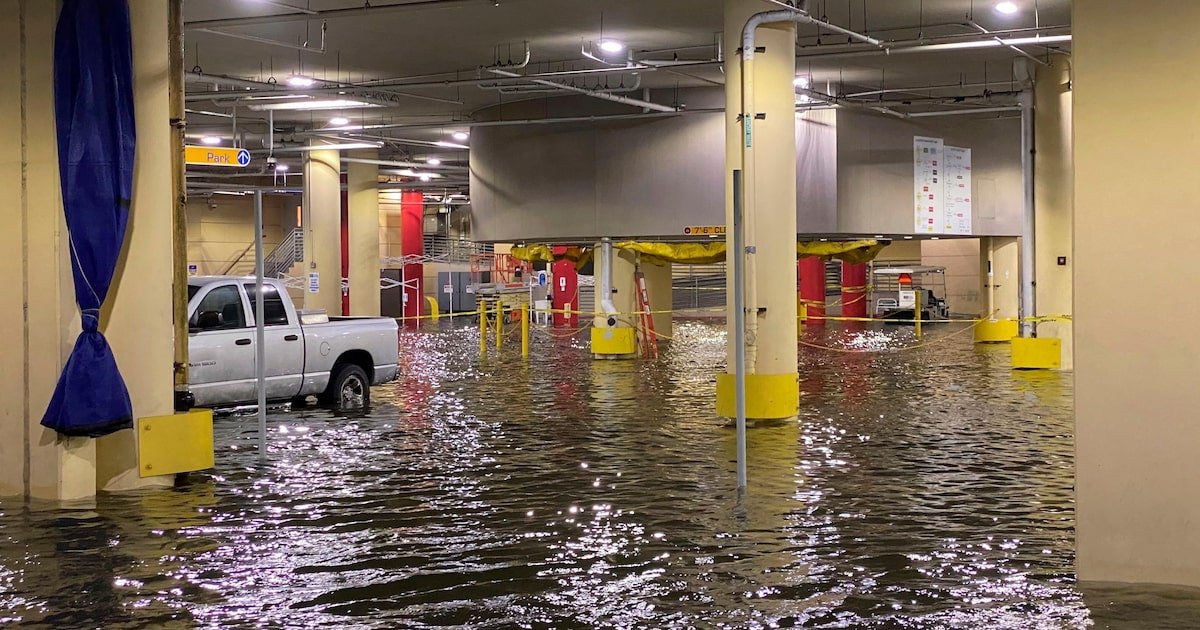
<point>964,112</point>
<point>900,48</point>
<point>401,164</point>
<point>600,95</point>
<point>270,42</point>
<point>975,25</point>
<point>332,14</point>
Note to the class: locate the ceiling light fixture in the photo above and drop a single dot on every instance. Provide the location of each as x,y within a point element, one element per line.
<point>450,145</point>
<point>433,161</point>
<point>281,168</point>
<point>611,46</point>
<point>461,136</point>
<point>1006,8</point>
<point>802,82</point>
<point>313,104</point>
<point>339,121</point>
<point>210,140</point>
<point>297,80</point>
<point>425,177</point>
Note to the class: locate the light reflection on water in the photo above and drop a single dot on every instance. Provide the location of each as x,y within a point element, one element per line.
<point>919,489</point>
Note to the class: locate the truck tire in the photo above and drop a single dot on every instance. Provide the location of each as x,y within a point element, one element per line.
<point>349,387</point>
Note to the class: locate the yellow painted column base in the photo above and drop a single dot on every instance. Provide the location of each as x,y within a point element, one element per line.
<point>614,343</point>
<point>1039,353</point>
<point>768,396</point>
<point>434,311</point>
<point>181,442</point>
<point>996,331</point>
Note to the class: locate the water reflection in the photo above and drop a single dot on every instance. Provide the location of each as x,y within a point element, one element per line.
<point>924,488</point>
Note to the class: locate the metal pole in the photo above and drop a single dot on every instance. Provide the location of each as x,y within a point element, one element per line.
<point>483,331</point>
<point>739,326</point>
<point>179,274</point>
<point>524,331</point>
<point>499,322</point>
<point>1028,249</point>
<point>917,312</point>
<point>260,346</point>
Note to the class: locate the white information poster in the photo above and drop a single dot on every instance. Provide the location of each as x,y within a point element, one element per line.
<point>929,216</point>
<point>314,282</point>
<point>958,190</point>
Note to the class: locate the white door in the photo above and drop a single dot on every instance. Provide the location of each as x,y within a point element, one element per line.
<point>220,347</point>
<point>284,344</point>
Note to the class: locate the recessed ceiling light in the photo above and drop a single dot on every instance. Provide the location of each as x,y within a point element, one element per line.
<point>281,168</point>
<point>299,81</point>
<point>878,236</point>
<point>210,140</point>
<point>339,121</point>
<point>433,161</point>
<point>1007,8</point>
<point>908,238</point>
<point>611,46</point>
<point>425,177</point>
<point>461,136</point>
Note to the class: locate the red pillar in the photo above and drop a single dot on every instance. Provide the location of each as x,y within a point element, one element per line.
<point>412,243</point>
<point>854,289</point>
<point>812,288</point>
<point>565,291</point>
<point>345,248</point>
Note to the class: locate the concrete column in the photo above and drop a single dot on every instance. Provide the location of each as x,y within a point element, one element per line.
<point>854,289</point>
<point>38,315</point>
<point>812,288</point>
<point>323,229</point>
<point>658,286</point>
<point>1000,293</point>
<point>1053,188</point>
<point>618,340</point>
<point>769,167</point>
<point>1136,234</point>
<point>412,243</point>
<point>362,183</point>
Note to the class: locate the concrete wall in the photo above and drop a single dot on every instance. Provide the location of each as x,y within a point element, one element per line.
<point>1136,234</point>
<point>221,231</point>
<point>960,257</point>
<point>637,178</point>
<point>875,171</point>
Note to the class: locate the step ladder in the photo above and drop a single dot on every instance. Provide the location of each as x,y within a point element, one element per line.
<point>648,337</point>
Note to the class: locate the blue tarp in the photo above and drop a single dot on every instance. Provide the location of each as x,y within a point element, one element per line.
<point>93,106</point>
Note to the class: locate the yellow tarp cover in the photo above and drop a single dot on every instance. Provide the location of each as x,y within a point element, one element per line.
<point>859,251</point>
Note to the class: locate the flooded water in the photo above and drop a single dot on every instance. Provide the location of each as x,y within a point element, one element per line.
<point>927,488</point>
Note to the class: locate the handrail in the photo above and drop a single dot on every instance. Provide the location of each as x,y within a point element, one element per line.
<point>237,260</point>
<point>286,254</point>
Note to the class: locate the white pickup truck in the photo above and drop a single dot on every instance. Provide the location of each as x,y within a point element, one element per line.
<point>336,360</point>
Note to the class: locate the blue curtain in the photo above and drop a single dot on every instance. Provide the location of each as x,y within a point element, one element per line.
<point>93,107</point>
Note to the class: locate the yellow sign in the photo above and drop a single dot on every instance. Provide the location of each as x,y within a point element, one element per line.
<point>216,156</point>
<point>704,230</point>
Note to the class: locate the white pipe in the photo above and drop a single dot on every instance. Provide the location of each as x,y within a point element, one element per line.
<point>739,326</point>
<point>600,95</point>
<point>401,164</point>
<point>606,281</point>
<point>332,14</point>
<point>270,42</point>
<point>260,344</point>
<point>964,112</point>
<point>1028,221</point>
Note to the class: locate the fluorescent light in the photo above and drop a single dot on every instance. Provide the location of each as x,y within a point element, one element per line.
<point>1006,8</point>
<point>461,136</point>
<point>908,238</point>
<point>210,140</point>
<point>433,161</point>
<point>344,146</point>
<point>989,43</point>
<point>339,121</point>
<point>299,81</point>
<point>313,104</point>
<point>878,236</point>
<point>281,168</point>
<point>425,177</point>
<point>611,46</point>
<point>450,145</point>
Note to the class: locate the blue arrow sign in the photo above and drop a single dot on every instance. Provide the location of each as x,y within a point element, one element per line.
<point>243,157</point>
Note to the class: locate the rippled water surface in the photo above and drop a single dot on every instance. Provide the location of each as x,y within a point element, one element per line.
<point>927,488</point>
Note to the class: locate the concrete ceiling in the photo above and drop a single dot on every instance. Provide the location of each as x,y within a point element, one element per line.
<point>439,40</point>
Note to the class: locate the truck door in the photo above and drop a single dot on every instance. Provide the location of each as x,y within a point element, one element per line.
<point>220,347</point>
<point>285,344</point>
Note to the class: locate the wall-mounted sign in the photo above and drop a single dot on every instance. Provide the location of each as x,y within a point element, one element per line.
<point>314,282</point>
<point>216,156</point>
<point>941,187</point>
<point>704,230</point>
<point>193,269</point>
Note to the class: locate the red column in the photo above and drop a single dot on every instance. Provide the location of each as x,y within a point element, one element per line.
<point>345,248</point>
<point>412,243</point>
<point>565,291</point>
<point>854,289</point>
<point>812,288</point>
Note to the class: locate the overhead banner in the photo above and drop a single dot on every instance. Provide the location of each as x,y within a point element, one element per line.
<point>941,187</point>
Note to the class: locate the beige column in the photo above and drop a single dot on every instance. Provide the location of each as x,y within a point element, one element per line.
<point>770,209</point>
<point>1135,278</point>
<point>362,184</point>
<point>323,230</point>
<point>138,312</point>
<point>1000,288</point>
<point>618,340</point>
<point>1053,187</point>
<point>38,316</point>
<point>658,286</point>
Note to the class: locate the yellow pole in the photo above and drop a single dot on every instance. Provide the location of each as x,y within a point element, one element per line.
<point>524,331</point>
<point>917,313</point>
<point>499,323</point>
<point>483,336</point>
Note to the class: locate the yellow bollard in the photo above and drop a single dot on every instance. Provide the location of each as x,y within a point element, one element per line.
<point>524,331</point>
<point>483,336</point>
<point>499,323</point>
<point>917,313</point>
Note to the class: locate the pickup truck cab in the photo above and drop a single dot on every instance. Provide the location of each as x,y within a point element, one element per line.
<point>337,358</point>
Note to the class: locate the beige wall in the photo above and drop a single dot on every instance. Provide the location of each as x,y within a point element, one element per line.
<point>221,231</point>
<point>1137,229</point>
<point>1055,202</point>
<point>960,257</point>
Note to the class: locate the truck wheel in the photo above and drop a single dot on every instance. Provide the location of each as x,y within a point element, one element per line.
<point>349,388</point>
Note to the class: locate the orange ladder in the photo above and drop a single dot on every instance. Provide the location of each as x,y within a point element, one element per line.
<point>649,337</point>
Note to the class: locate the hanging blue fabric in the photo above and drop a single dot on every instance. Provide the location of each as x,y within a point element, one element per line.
<point>93,106</point>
